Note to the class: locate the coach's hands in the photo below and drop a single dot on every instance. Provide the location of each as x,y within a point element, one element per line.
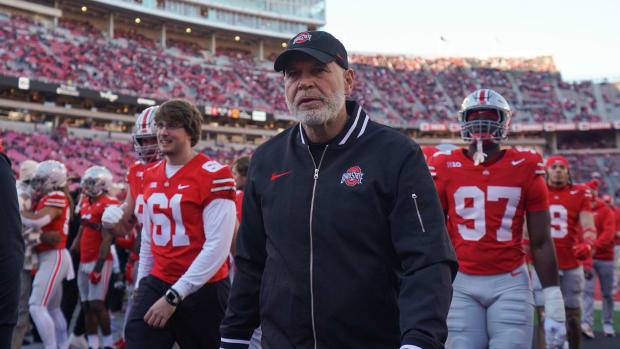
<point>159,313</point>
<point>111,216</point>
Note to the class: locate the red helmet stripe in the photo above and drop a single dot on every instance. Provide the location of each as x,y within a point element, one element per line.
<point>146,117</point>
<point>481,97</point>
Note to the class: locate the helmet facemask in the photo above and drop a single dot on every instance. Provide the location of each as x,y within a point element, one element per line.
<point>96,181</point>
<point>484,129</point>
<point>146,152</point>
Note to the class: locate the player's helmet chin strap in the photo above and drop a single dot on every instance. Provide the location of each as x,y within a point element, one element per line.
<point>479,155</point>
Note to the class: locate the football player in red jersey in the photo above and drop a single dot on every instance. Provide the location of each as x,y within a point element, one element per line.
<point>123,219</point>
<point>485,192</point>
<point>51,215</point>
<point>602,265</point>
<point>189,222</point>
<point>569,207</point>
<point>93,241</point>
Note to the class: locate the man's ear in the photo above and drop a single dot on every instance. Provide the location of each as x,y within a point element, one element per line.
<point>349,79</point>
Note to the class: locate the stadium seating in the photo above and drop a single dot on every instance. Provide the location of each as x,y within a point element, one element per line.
<point>396,89</point>
<point>80,153</point>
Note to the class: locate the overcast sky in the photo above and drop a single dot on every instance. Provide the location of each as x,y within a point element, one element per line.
<point>583,36</point>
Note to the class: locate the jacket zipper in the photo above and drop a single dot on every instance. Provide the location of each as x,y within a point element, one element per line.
<point>316,178</point>
<point>417,209</point>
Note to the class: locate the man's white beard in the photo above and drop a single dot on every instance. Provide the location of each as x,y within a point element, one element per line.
<point>317,116</point>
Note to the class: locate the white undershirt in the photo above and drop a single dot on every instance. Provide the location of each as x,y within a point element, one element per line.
<point>172,169</point>
<point>219,218</point>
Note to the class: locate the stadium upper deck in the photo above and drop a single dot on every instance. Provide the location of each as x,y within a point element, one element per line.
<point>87,51</point>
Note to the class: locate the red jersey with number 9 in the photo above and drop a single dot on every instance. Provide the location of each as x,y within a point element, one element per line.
<point>135,178</point>
<point>60,224</point>
<point>565,204</point>
<point>173,213</point>
<point>486,205</point>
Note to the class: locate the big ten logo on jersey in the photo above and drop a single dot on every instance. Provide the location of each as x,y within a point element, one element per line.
<point>559,221</point>
<point>87,216</point>
<point>452,164</point>
<point>162,226</point>
<point>212,166</point>
<point>525,150</point>
<point>471,204</point>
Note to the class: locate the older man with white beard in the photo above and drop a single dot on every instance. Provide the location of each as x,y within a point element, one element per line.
<point>342,241</point>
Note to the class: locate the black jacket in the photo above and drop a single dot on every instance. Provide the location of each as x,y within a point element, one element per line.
<point>12,247</point>
<point>343,257</point>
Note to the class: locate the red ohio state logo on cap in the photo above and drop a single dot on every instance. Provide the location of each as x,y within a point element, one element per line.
<point>352,177</point>
<point>301,38</point>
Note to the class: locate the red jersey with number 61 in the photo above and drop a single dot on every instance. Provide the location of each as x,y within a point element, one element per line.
<point>135,178</point>
<point>565,204</point>
<point>60,224</point>
<point>174,208</point>
<point>486,205</point>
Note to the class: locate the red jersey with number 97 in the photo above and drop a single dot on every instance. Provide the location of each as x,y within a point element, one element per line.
<point>60,224</point>
<point>565,204</point>
<point>135,178</point>
<point>173,213</point>
<point>486,205</point>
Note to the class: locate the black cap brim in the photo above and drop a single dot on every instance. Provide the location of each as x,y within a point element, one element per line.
<point>321,56</point>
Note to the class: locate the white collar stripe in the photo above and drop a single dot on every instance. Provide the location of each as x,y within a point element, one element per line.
<point>301,134</point>
<point>346,137</point>
<point>363,127</point>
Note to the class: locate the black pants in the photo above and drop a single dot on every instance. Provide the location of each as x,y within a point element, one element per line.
<point>194,324</point>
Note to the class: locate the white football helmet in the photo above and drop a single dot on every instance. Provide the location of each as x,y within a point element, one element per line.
<point>96,181</point>
<point>485,130</point>
<point>26,170</point>
<point>144,131</point>
<point>48,176</point>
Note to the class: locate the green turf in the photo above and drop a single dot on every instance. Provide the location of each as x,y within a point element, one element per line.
<point>597,320</point>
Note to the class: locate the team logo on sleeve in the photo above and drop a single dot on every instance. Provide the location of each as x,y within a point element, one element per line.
<point>352,176</point>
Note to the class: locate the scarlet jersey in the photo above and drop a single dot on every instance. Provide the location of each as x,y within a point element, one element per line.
<point>605,230</point>
<point>174,208</point>
<point>90,213</point>
<point>238,203</point>
<point>60,224</point>
<point>617,217</point>
<point>565,204</point>
<point>485,205</point>
<point>135,178</point>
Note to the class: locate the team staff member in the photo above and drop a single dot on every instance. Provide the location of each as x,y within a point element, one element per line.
<point>189,222</point>
<point>11,250</point>
<point>603,266</point>
<point>342,241</point>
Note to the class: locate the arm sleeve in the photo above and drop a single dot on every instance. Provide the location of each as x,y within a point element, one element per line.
<point>37,223</point>
<point>428,260</point>
<point>145,264</point>
<point>242,313</point>
<point>219,224</point>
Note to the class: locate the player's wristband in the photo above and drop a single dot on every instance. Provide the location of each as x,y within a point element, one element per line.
<point>554,303</point>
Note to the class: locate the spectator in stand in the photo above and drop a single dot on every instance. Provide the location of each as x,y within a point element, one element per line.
<point>603,265</point>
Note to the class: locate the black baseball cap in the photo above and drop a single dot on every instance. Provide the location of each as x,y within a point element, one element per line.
<point>319,44</point>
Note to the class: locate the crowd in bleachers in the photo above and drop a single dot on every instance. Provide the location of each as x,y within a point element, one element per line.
<point>394,88</point>
<point>78,154</point>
